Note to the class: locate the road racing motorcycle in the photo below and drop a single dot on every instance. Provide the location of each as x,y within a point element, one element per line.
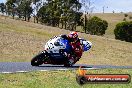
<point>56,52</point>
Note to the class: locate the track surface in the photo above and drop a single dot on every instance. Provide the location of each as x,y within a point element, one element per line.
<point>12,67</point>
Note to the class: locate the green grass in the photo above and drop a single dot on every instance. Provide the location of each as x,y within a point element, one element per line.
<point>57,79</point>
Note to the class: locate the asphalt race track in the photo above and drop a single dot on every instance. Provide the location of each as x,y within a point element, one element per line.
<point>13,67</point>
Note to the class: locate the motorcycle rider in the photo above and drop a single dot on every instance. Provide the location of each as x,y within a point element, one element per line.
<point>77,50</point>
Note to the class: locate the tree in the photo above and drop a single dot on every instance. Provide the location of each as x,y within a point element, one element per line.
<point>36,5</point>
<point>11,7</point>
<point>123,31</point>
<point>2,7</point>
<point>25,9</point>
<point>70,10</point>
<point>43,14</point>
<point>20,8</point>
<point>88,9</point>
<point>55,11</point>
<point>96,26</point>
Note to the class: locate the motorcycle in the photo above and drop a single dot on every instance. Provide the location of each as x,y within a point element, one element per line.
<point>56,52</point>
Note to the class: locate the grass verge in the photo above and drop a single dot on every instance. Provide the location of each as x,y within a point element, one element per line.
<point>57,79</point>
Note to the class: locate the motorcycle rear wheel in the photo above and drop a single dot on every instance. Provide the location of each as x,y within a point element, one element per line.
<point>67,64</point>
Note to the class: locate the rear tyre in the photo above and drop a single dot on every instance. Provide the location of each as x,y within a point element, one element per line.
<point>38,59</point>
<point>68,64</point>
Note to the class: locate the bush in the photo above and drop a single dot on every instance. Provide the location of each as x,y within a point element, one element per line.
<point>124,19</point>
<point>123,31</point>
<point>96,26</point>
<point>130,17</point>
<point>125,15</point>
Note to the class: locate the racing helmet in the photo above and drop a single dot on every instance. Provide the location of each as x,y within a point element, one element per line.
<point>73,36</point>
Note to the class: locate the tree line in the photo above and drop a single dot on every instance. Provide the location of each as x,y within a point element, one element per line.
<point>58,13</point>
<point>51,12</point>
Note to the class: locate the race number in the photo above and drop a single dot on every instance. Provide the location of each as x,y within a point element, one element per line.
<point>50,46</point>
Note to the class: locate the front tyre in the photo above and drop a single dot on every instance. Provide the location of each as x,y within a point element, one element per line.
<point>38,59</point>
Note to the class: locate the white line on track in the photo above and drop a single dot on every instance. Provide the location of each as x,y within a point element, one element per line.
<point>21,71</point>
<point>45,70</point>
<point>6,72</point>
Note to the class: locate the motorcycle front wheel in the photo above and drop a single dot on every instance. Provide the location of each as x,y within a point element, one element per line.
<point>38,59</point>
